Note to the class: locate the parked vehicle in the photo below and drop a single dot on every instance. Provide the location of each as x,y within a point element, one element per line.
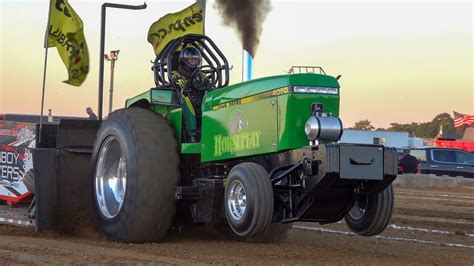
<point>408,164</point>
<point>444,161</point>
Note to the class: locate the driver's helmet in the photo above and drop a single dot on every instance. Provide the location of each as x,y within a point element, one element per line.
<point>190,58</point>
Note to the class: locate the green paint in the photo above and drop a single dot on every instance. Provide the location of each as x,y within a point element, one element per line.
<point>191,148</point>
<point>250,118</point>
<point>294,110</point>
<point>142,96</point>
<point>256,86</point>
<point>269,108</point>
<point>161,102</point>
<point>161,96</point>
<point>175,118</point>
<point>237,131</point>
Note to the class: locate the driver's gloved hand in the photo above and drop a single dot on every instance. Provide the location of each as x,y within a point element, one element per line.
<point>197,82</point>
<point>204,84</point>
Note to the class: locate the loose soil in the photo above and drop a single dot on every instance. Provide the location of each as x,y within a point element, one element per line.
<point>429,226</point>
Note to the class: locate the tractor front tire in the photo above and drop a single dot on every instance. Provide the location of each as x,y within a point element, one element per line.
<point>134,175</point>
<point>248,200</point>
<point>371,213</point>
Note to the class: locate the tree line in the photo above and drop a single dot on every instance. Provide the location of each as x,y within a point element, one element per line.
<point>425,130</point>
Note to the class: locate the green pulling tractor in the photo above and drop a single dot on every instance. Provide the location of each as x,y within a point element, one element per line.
<point>266,156</point>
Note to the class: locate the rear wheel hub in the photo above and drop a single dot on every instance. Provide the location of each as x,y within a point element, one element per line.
<point>110,178</point>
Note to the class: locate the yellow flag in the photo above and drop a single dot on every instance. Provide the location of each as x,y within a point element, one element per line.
<point>66,32</point>
<point>174,25</point>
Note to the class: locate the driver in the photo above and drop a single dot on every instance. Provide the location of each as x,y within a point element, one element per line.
<point>192,91</point>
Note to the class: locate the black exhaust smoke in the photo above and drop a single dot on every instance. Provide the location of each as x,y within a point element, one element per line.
<point>247,16</point>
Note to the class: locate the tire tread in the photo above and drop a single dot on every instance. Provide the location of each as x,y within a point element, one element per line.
<point>376,219</point>
<point>151,208</point>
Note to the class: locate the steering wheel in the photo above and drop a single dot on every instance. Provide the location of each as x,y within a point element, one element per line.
<point>207,81</point>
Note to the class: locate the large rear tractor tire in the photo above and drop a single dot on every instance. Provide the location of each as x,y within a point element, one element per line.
<point>371,213</point>
<point>248,201</point>
<point>134,175</point>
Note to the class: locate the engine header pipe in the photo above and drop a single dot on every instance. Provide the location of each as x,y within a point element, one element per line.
<point>102,46</point>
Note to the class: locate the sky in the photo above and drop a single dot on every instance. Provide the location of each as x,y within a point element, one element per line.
<point>400,61</point>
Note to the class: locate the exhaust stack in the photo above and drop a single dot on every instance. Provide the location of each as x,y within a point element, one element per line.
<point>247,66</point>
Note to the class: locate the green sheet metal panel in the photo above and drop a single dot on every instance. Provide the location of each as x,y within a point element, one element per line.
<point>294,109</point>
<point>172,113</point>
<point>164,96</point>
<point>191,148</point>
<point>153,96</point>
<point>271,116</point>
<point>240,130</point>
<point>175,118</point>
<point>256,86</point>
<point>142,96</point>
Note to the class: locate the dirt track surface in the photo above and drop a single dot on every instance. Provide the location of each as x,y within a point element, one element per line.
<point>428,226</point>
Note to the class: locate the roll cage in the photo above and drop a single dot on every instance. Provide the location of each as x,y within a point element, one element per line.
<point>167,60</point>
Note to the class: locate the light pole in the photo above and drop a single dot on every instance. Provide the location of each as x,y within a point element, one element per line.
<point>112,57</point>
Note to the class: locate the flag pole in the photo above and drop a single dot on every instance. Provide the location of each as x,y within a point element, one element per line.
<point>202,3</point>
<point>46,35</point>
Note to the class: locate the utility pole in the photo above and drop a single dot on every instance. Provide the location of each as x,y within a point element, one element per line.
<point>112,57</point>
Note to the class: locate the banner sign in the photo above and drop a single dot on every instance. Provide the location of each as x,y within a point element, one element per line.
<point>16,141</point>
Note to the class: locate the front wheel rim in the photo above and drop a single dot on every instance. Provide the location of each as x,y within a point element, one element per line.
<point>110,178</point>
<point>360,207</point>
<point>237,200</point>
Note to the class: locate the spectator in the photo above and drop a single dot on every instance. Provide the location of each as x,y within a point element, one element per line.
<point>408,163</point>
<point>91,114</point>
<point>50,116</point>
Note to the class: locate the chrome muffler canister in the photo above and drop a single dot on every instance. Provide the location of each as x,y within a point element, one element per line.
<point>323,128</point>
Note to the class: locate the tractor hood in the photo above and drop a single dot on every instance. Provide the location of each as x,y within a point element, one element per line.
<point>264,115</point>
<point>268,84</point>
